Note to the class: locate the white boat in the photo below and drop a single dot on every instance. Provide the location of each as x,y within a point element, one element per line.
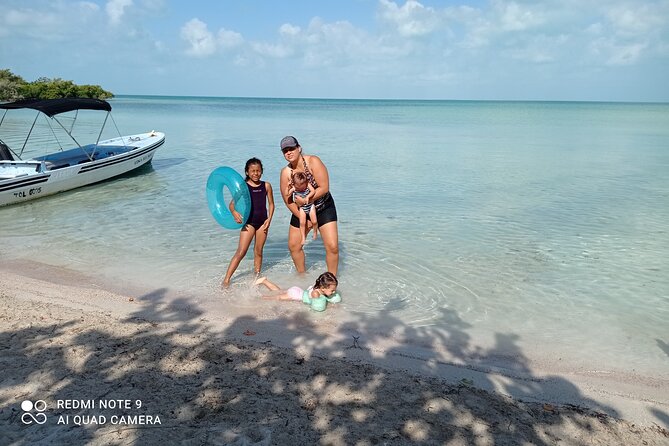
<point>60,170</point>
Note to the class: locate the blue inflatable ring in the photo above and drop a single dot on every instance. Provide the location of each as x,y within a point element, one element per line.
<point>220,178</point>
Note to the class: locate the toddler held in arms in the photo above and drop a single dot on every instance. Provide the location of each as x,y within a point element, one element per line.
<point>300,188</point>
<point>324,291</point>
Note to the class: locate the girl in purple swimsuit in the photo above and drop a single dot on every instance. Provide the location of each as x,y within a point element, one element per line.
<point>257,225</point>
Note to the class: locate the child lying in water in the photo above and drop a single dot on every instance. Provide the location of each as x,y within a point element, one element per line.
<point>318,295</point>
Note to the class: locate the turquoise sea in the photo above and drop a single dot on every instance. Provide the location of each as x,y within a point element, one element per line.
<point>545,224</point>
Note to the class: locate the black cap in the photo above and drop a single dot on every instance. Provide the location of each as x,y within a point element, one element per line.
<point>289,141</point>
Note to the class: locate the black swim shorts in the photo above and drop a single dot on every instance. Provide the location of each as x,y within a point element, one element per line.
<point>325,211</point>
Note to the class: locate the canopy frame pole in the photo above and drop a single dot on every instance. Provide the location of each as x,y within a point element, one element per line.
<point>25,143</point>
<point>100,135</point>
<point>119,133</point>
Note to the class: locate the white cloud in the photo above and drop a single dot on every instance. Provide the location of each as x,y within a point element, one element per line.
<point>338,43</point>
<point>515,17</point>
<point>154,5</point>
<point>276,51</point>
<point>626,54</point>
<point>289,30</point>
<point>411,19</point>
<point>115,10</point>
<point>229,39</point>
<point>538,52</point>
<point>203,43</point>
<point>320,44</point>
<point>47,23</point>
<point>594,29</point>
<point>26,17</point>
<point>201,40</point>
<point>635,19</point>
<point>628,31</point>
<point>412,42</point>
<point>477,34</point>
<point>505,19</point>
<point>241,61</point>
<point>616,54</point>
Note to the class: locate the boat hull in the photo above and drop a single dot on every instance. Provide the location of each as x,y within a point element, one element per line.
<point>43,182</point>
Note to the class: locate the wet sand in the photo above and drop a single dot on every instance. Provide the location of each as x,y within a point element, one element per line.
<point>186,372</point>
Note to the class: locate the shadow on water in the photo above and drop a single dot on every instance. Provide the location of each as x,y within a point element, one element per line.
<point>166,163</point>
<point>144,169</point>
<point>663,346</point>
<point>208,388</point>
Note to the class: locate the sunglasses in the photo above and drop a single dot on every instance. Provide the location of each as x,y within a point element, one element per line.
<point>288,149</point>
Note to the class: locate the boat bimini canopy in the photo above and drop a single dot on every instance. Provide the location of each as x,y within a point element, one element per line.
<point>53,107</point>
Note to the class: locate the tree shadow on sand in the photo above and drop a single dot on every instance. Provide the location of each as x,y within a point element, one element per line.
<point>213,386</point>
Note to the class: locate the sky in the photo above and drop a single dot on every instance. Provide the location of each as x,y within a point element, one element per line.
<point>587,50</point>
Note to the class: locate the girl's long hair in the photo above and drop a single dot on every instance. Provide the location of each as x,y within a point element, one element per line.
<point>325,280</point>
<point>251,162</point>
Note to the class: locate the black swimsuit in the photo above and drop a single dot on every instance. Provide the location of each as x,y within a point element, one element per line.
<point>258,213</point>
<point>325,206</point>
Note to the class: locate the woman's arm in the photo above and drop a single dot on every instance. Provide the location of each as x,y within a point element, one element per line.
<point>320,173</point>
<point>287,197</point>
<point>310,196</point>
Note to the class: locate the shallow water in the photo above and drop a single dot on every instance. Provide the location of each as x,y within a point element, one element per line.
<point>545,221</point>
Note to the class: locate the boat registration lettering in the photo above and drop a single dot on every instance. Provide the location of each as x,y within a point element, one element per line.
<point>142,159</point>
<point>28,192</point>
<point>63,173</point>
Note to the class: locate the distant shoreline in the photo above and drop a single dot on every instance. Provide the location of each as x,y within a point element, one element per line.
<point>382,100</point>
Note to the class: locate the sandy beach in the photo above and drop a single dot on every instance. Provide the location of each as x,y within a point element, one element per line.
<point>102,367</point>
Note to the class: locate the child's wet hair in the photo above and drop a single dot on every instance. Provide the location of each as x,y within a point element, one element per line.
<point>299,178</point>
<point>325,280</point>
<point>250,163</point>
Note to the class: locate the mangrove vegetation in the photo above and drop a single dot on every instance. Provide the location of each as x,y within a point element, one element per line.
<point>14,87</point>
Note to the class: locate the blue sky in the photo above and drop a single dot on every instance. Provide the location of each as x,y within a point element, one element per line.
<point>601,50</point>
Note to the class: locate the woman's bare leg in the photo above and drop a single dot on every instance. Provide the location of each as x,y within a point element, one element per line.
<point>330,238</point>
<point>295,247</point>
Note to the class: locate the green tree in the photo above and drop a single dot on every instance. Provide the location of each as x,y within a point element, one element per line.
<point>10,85</point>
<point>45,88</point>
<point>93,91</point>
<point>14,87</point>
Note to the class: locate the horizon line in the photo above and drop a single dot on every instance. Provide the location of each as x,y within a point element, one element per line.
<point>395,99</point>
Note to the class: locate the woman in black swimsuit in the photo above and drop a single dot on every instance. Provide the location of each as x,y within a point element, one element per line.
<point>326,212</point>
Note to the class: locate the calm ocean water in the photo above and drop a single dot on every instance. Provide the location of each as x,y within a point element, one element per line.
<point>546,223</point>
